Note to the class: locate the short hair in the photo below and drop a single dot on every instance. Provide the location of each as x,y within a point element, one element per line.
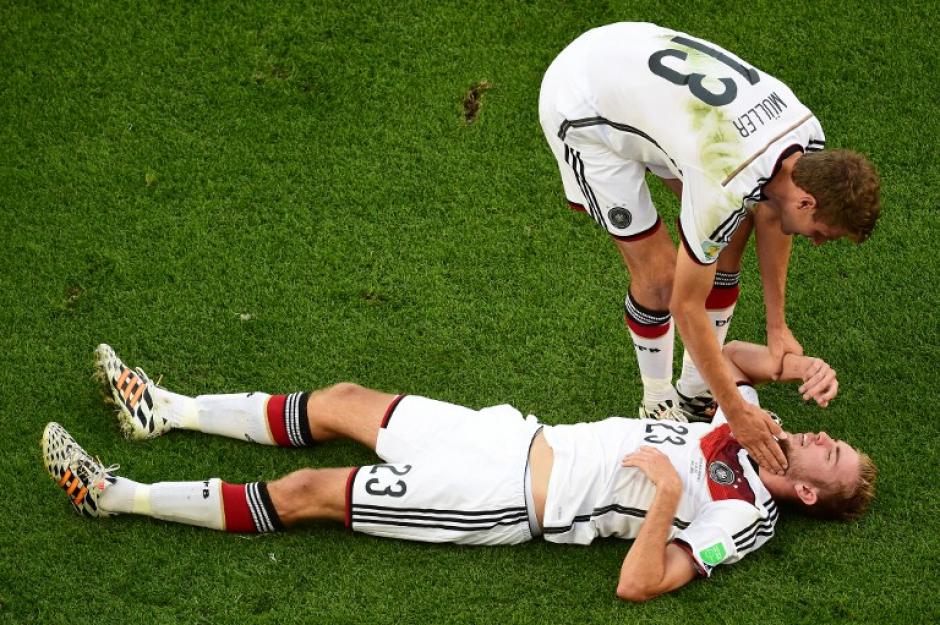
<point>850,503</point>
<point>846,187</point>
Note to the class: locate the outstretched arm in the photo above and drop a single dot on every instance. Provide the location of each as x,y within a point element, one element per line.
<point>756,364</point>
<point>773,257</point>
<point>752,427</point>
<point>654,566</point>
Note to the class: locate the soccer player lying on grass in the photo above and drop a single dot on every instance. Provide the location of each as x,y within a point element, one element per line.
<point>687,493</point>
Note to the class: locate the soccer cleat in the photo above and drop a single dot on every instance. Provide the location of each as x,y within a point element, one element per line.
<point>131,391</point>
<point>701,408</point>
<point>665,411</point>
<point>82,477</point>
<point>774,417</point>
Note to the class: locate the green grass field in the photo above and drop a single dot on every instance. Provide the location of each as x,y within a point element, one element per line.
<point>281,195</point>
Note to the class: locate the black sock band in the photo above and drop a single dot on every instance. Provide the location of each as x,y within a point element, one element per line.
<point>642,315</point>
<point>296,422</point>
<point>263,513</point>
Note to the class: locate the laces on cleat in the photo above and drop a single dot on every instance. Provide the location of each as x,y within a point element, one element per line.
<point>669,412</point>
<point>665,411</point>
<point>96,478</point>
<point>131,390</point>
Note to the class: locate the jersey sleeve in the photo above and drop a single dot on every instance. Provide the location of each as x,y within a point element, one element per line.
<point>709,216</point>
<point>726,531</point>
<point>747,392</point>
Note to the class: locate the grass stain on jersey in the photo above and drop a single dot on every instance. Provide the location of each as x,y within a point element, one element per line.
<point>719,148</point>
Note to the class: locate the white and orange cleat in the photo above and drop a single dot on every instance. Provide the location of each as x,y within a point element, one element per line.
<point>82,477</point>
<point>132,392</point>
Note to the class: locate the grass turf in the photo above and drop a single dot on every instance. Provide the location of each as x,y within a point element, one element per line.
<point>282,195</point>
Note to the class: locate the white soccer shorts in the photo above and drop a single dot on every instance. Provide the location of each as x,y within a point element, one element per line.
<point>453,475</point>
<point>608,187</point>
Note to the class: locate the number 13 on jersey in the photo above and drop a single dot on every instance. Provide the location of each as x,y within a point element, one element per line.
<point>695,80</point>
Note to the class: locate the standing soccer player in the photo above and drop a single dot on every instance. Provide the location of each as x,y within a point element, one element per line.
<point>742,153</point>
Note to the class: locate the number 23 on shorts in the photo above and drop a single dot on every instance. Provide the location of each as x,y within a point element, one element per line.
<point>386,485</point>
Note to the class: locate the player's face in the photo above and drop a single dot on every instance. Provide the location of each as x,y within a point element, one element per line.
<point>829,463</point>
<point>800,220</point>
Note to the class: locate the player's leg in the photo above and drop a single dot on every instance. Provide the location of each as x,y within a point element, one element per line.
<point>96,491</point>
<point>694,393</point>
<point>613,192</point>
<point>472,498</point>
<point>674,185</point>
<point>651,263</point>
<point>146,410</point>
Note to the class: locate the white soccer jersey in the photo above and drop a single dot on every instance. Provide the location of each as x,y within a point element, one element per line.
<point>681,107</point>
<point>725,511</point>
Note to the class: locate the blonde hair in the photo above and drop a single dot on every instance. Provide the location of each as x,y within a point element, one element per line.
<point>850,503</point>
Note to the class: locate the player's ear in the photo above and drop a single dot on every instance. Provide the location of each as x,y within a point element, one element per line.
<point>806,202</point>
<point>806,493</point>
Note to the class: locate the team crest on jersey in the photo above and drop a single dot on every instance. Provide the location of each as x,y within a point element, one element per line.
<point>620,217</point>
<point>720,473</point>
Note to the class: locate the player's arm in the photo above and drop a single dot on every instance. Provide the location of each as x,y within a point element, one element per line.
<point>753,427</point>
<point>773,260</point>
<point>755,364</point>
<point>653,565</point>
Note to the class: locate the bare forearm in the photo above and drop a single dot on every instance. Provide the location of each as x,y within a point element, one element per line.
<point>695,328</point>
<point>773,258</point>
<point>643,572</point>
<point>757,364</point>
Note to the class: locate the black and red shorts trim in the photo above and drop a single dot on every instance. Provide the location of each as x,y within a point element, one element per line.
<point>391,408</point>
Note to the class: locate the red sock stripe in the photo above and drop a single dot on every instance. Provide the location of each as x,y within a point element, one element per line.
<point>722,297</point>
<point>647,332</point>
<point>349,484</point>
<point>235,508</point>
<point>576,207</point>
<point>276,420</point>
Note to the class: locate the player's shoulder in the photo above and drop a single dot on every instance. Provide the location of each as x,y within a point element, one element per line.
<point>626,37</point>
<point>797,132</point>
<point>634,28</point>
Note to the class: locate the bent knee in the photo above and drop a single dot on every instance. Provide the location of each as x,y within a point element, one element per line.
<point>345,391</point>
<point>293,492</point>
<point>654,293</point>
<point>310,494</point>
<point>338,394</point>
<point>731,348</point>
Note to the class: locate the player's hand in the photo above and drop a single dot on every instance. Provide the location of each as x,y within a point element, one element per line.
<point>780,343</point>
<point>819,382</point>
<point>656,466</point>
<point>756,431</point>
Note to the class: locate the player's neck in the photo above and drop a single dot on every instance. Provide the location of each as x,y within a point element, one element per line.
<point>779,188</point>
<point>779,486</point>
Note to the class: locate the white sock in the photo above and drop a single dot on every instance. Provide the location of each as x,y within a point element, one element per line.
<point>253,417</point>
<point>193,503</point>
<point>179,410</point>
<point>720,307</point>
<point>653,337</point>
<point>658,391</point>
<point>691,383</point>
<point>241,415</point>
